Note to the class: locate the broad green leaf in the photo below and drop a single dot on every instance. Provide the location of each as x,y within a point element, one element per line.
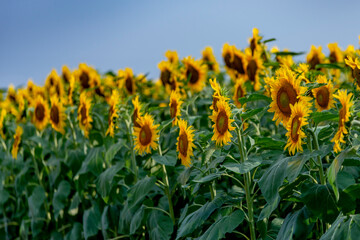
<point>36,200</point>
<point>344,228</point>
<point>269,143</point>
<point>252,112</point>
<point>288,53</point>
<point>197,218</point>
<point>60,196</point>
<point>105,182</point>
<point>93,162</point>
<point>91,221</point>
<point>318,117</point>
<point>140,190</point>
<point>269,40</point>
<point>136,220</point>
<point>4,196</point>
<point>241,168</point>
<point>328,65</point>
<point>168,159</point>
<point>254,97</point>
<point>111,152</point>
<point>224,225</point>
<point>160,226</point>
<point>209,177</point>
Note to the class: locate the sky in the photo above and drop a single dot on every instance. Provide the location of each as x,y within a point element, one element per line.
<point>39,35</point>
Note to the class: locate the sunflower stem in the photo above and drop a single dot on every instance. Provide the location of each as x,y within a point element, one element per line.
<point>133,159</point>
<point>321,170</point>
<point>248,182</point>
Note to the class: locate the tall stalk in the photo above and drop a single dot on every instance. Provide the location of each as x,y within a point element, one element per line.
<point>248,183</point>
<point>133,159</point>
<point>319,162</point>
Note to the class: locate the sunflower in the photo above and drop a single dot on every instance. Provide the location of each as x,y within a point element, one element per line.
<point>355,65</point>
<point>83,75</point>
<point>41,113</point>
<point>239,91</point>
<point>315,57</point>
<point>2,118</point>
<point>66,74</point>
<point>175,106</point>
<point>298,119</point>
<point>253,66</point>
<point>114,100</point>
<point>51,80</point>
<point>285,91</point>
<point>172,56</point>
<point>166,70</point>
<point>57,115</point>
<point>286,60</point>
<point>324,95</point>
<point>84,114</point>
<point>185,143</point>
<point>222,123</point>
<point>195,73</point>
<point>217,94</point>
<point>30,89</point>
<point>302,70</point>
<point>344,115</point>
<point>71,91</point>
<point>127,80</point>
<point>335,53</point>
<point>17,140</point>
<point>349,51</point>
<point>137,111</point>
<point>11,95</point>
<point>23,98</point>
<point>210,60</point>
<point>254,41</point>
<point>146,134</point>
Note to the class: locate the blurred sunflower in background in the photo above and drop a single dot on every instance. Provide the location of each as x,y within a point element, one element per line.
<point>323,95</point>
<point>209,59</point>
<point>137,111</point>
<point>354,63</point>
<point>335,55</point>
<point>11,95</point>
<point>70,91</point>
<point>222,123</point>
<point>195,73</point>
<point>84,114</point>
<point>17,141</point>
<point>66,74</point>
<point>285,91</point>
<point>239,91</point>
<point>127,80</point>
<point>253,65</point>
<point>113,112</point>
<point>146,135</point>
<point>254,42</point>
<point>217,94</point>
<point>298,119</point>
<point>185,143</point>
<point>166,70</point>
<point>41,113</point>
<point>344,115</point>
<point>315,56</point>
<point>172,57</point>
<point>2,120</point>
<point>175,106</point>
<point>57,115</point>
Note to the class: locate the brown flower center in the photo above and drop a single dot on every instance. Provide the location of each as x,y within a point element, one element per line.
<point>40,112</point>
<point>129,84</point>
<point>145,135</point>
<point>54,114</point>
<point>165,77</point>
<point>215,100</point>
<point>356,75</point>
<point>65,77</point>
<point>322,97</point>
<point>295,126</point>
<point>193,74</point>
<point>227,60</point>
<point>84,80</point>
<point>332,57</point>
<point>286,96</point>
<point>251,70</point>
<point>51,82</point>
<point>237,64</point>
<point>209,64</point>
<point>183,144</point>
<point>252,45</point>
<point>83,114</point>
<point>342,114</point>
<point>239,92</point>
<point>135,117</point>
<point>314,61</point>
<point>173,109</point>
<point>222,122</point>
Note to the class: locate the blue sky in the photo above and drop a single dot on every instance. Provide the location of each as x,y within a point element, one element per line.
<point>38,35</point>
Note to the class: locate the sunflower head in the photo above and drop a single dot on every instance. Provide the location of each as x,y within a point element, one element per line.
<point>285,91</point>
<point>2,119</point>
<point>335,53</point>
<point>175,106</point>
<point>344,115</point>
<point>195,73</point>
<point>298,119</point>
<point>253,66</point>
<point>354,63</point>
<point>71,91</point>
<point>84,114</point>
<point>209,59</point>
<point>84,75</point>
<point>222,123</point>
<point>66,74</point>
<point>11,95</point>
<point>113,112</point>
<point>51,80</point>
<point>217,94</point>
<point>57,115</point>
<point>185,144</point>
<point>17,140</point>
<point>324,95</point>
<point>146,135</point>
<point>30,88</point>
<point>127,80</point>
<point>254,41</point>
<point>41,113</point>
<point>137,111</point>
<point>239,91</point>
<point>315,57</point>
<point>172,57</point>
<point>166,70</point>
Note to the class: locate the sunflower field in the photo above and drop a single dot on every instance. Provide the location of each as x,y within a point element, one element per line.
<point>257,145</point>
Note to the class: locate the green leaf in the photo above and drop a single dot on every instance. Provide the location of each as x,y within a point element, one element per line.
<point>224,225</point>
<point>160,226</point>
<point>197,218</point>
<point>4,196</point>
<point>343,228</point>
<point>91,221</point>
<point>36,200</point>
<point>209,177</point>
<point>75,232</point>
<point>254,97</point>
<point>250,113</point>
<point>318,117</point>
<point>111,152</point>
<point>289,53</point>
<point>269,40</point>
<point>269,143</point>
<point>105,182</point>
<point>328,65</point>
<point>61,196</point>
<point>136,220</point>
<point>241,168</point>
<point>140,190</point>
<point>93,162</point>
<point>169,159</point>
<point>320,201</point>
